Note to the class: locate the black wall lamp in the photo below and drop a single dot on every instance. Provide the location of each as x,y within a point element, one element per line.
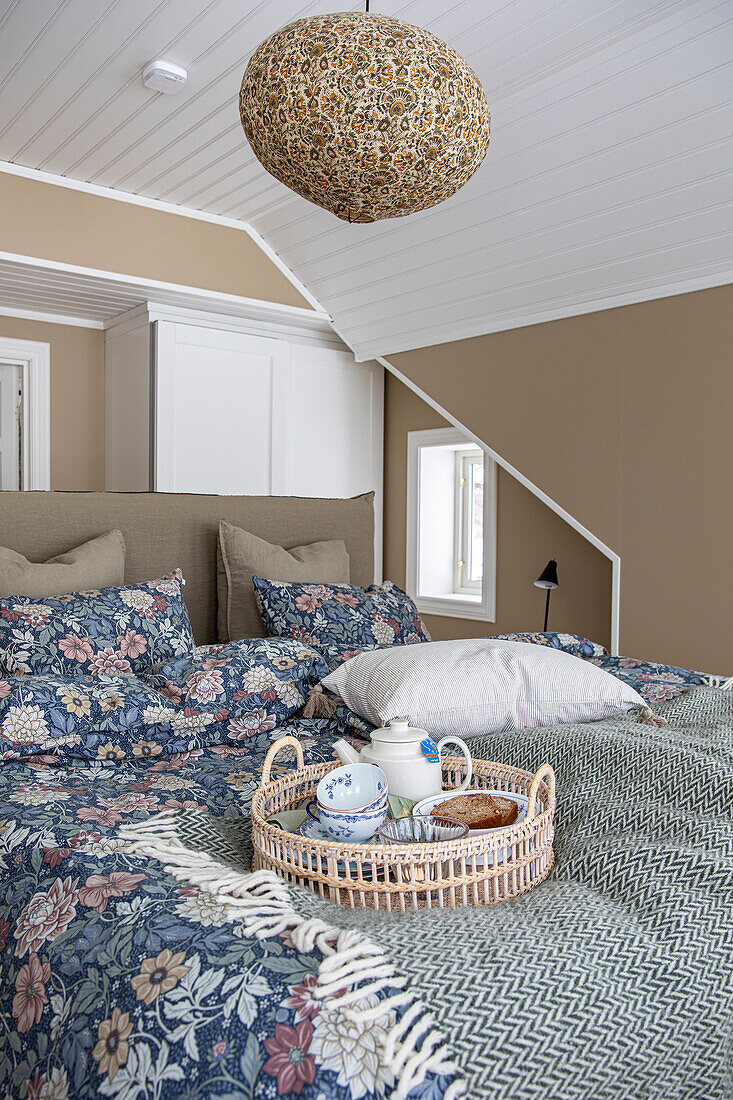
<point>548,579</point>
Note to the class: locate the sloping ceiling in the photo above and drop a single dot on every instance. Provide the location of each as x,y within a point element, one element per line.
<point>609,177</point>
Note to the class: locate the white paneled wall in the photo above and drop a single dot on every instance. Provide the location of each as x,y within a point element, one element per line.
<point>216,396</point>
<point>333,411</point>
<point>211,408</point>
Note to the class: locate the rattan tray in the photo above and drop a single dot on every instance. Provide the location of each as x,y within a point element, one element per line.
<point>479,870</point>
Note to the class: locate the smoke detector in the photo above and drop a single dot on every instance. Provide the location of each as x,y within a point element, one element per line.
<point>164,76</point>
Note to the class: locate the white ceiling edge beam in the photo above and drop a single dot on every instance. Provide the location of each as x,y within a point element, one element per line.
<point>523,318</point>
<point>178,293</point>
<point>49,318</point>
<point>166,208</point>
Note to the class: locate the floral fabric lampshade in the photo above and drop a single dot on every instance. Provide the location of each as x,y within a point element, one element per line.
<point>364,115</point>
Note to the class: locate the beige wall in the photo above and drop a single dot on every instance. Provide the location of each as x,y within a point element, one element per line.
<point>57,223</point>
<point>528,535</point>
<point>625,418</point>
<point>77,399</point>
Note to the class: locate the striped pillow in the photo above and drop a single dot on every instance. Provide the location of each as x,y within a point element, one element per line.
<point>479,685</point>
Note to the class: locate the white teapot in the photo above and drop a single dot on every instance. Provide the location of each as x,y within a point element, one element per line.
<point>409,758</point>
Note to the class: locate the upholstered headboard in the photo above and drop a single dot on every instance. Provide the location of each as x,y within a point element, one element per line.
<point>164,531</point>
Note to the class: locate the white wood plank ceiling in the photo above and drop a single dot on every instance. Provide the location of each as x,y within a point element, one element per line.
<point>609,177</point>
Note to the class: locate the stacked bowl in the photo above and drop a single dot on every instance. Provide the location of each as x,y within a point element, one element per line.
<point>351,802</point>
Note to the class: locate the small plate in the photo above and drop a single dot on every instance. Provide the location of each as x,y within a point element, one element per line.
<point>521,800</point>
<point>427,804</point>
<point>313,830</point>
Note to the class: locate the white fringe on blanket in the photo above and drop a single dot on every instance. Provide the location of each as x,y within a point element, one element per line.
<point>353,966</point>
<point>720,682</point>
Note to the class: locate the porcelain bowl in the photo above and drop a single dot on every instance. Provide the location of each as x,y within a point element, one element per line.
<point>352,788</point>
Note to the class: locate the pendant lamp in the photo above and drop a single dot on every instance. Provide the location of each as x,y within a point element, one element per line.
<point>364,115</point>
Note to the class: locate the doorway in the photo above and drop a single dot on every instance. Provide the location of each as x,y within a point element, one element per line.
<point>11,419</point>
<point>25,414</point>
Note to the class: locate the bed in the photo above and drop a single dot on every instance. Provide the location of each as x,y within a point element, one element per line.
<point>121,978</point>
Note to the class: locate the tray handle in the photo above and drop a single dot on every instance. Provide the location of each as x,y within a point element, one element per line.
<point>546,773</point>
<point>274,749</point>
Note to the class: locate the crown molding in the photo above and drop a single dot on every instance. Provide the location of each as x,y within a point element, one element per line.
<point>131,291</point>
<point>50,318</point>
<point>450,333</point>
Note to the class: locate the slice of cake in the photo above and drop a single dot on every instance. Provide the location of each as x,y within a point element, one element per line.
<point>480,810</point>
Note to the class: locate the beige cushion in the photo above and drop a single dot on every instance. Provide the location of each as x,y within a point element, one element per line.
<point>165,531</point>
<point>243,555</point>
<point>99,563</point>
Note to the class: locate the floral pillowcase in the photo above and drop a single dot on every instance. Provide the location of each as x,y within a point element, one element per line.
<point>339,615</point>
<point>568,643</point>
<point>219,694</point>
<point>108,631</point>
<point>249,686</point>
<point>92,717</point>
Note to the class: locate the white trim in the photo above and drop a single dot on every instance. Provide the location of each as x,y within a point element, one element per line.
<point>453,604</point>
<point>194,297</point>
<point>612,556</point>
<point>275,327</point>
<point>282,266</point>
<point>164,207</point>
<point>522,318</point>
<point>34,359</point>
<point>615,603</point>
<point>462,549</point>
<point>51,318</point>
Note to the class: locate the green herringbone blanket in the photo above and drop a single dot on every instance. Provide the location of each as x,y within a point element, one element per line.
<point>613,980</point>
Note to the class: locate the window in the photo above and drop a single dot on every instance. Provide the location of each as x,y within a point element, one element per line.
<point>469,522</point>
<point>451,525</point>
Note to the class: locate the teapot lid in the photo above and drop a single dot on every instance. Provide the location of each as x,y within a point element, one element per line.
<point>398,730</point>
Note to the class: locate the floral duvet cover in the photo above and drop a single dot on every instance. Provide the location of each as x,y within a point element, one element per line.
<point>117,981</point>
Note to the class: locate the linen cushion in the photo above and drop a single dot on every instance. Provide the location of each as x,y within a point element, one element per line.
<point>480,685</point>
<point>106,631</point>
<point>242,555</point>
<point>339,615</point>
<point>98,563</point>
<point>167,530</point>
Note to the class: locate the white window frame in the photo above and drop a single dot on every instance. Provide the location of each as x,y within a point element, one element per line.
<point>34,359</point>
<point>465,603</point>
<point>462,521</point>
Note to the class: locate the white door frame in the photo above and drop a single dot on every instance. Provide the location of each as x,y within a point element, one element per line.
<point>34,360</point>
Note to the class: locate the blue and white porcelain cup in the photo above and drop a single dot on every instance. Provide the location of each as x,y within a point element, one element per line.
<point>351,802</point>
<point>353,828</point>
